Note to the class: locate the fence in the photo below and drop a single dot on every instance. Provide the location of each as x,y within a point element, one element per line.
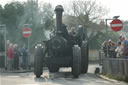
<point>115,67</point>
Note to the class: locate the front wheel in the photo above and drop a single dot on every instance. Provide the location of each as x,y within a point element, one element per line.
<point>76,65</point>
<point>38,61</point>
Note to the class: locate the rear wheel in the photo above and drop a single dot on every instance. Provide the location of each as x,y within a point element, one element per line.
<point>76,65</point>
<point>84,57</point>
<point>53,68</point>
<point>38,61</point>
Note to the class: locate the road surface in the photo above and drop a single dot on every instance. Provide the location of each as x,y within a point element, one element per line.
<point>64,77</point>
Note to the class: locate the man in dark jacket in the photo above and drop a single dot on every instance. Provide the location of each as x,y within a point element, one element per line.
<point>24,57</point>
<point>16,59</point>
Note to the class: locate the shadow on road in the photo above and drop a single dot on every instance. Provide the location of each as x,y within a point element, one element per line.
<point>66,78</point>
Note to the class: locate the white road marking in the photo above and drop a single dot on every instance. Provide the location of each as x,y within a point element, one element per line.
<point>28,84</point>
<point>13,76</point>
<point>45,83</point>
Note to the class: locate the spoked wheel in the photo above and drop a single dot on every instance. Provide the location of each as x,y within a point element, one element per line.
<point>84,57</point>
<point>38,61</point>
<point>76,64</point>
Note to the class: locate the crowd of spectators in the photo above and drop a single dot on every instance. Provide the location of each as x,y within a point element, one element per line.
<point>17,57</point>
<point>116,50</point>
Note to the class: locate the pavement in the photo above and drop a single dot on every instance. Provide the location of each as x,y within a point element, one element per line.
<point>15,71</point>
<point>2,70</point>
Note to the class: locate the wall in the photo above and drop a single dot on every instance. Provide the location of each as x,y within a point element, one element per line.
<point>93,55</point>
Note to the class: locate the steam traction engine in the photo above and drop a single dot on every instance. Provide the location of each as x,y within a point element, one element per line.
<point>62,50</point>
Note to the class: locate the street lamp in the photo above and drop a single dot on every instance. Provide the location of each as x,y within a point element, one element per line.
<point>115,17</point>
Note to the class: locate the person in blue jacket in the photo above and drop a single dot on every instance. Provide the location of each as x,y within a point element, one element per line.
<point>24,57</point>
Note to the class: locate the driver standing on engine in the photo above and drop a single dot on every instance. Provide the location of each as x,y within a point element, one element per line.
<point>73,35</point>
<point>73,31</point>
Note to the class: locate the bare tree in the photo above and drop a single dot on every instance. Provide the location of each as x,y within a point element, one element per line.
<point>85,11</point>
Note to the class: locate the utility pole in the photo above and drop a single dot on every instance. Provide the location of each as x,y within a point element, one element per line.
<point>27,26</point>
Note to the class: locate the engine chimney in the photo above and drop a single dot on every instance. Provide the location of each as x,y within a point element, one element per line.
<point>59,10</point>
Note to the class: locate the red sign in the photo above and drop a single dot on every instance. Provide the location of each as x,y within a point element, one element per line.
<point>27,32</point>
<point>116,25</point>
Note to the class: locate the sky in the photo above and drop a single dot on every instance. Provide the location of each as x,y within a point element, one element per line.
<point>116,7</point>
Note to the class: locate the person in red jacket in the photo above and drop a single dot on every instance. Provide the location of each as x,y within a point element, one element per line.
<point>10,57</point>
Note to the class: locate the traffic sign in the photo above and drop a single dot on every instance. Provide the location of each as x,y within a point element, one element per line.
<point>116,25</point>
<point>27,32</point>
